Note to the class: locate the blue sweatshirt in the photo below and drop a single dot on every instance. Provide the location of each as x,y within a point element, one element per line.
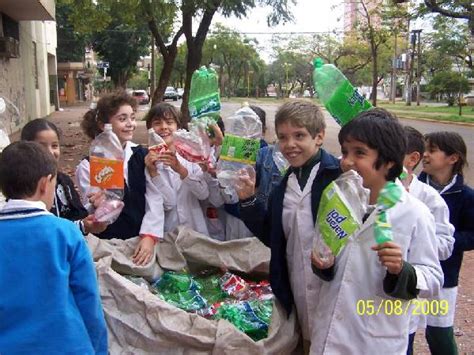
<point>49,298</point>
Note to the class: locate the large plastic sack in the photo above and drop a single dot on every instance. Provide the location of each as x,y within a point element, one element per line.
<point>139,322</point>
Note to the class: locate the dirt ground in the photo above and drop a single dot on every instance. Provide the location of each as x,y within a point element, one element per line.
<point>74,147</point>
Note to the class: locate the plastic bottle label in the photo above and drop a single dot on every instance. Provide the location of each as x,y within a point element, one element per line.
<point>346,103</point>
<point>335,220</point>
<point>205,105</point>
<point>106,173</point>
<point>240,150</point>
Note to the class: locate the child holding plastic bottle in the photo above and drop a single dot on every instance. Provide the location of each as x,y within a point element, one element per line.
<point>437,206</point>
<point>364,300</point>
<point>143,213</point>
<point>49,296</point>
<point>443,163</point>
<point>184,177</point>
<point>287,225</point>
<point>67,203</point>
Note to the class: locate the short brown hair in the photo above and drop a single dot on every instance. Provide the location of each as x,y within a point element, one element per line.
<point>107,106</point>
<point>22,165</point>
<point>301,114</point>
<point>160,111</point>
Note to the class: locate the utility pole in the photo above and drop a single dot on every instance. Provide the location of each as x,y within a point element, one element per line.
<point>418,69</point>
<point>410,69</point>
<point>393,90</point>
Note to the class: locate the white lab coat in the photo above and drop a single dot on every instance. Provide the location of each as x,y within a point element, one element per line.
<point>338,328</point>
<point>187,194</point>
<point>443,229</point>
<point>299,230</point>
<point>153,220</point>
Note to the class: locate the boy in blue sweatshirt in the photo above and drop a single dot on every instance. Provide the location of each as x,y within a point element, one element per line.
<point>49,298</point>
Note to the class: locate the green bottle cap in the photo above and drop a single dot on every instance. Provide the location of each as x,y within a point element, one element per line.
<point>318,63</point>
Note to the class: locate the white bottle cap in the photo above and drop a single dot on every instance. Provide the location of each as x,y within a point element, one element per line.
<point>107,127</point>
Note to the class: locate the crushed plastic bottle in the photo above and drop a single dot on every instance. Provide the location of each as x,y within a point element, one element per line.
<point>156,144</point>
<point>106,174</point>
<point>280,161</point>
<point>336,93</point>
<point>239,148</point>
<point>193,145</point>
<point>204,97</point>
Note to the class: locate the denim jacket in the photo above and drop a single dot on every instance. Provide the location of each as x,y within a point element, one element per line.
<point>268,175</point>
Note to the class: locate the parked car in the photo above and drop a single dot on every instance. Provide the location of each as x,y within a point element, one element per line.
<point>180,92</point>
<point>170,93</point>
<point>141,96</point>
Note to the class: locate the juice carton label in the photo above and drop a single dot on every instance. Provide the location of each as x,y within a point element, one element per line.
<point>106,173</point>
<point>240,150</point>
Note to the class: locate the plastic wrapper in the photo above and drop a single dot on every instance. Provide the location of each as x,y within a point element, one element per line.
<point>250,317</point>
<point>193,145</point>
<point>240,147</point>
<point>342,207</point>
<point>388,197</point>
<point>210,288</point>
<point>235,286</point>
<point>261,290</point>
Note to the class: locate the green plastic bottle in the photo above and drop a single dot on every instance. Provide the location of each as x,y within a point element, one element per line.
<point>336,93</point>
<point>204,97</point>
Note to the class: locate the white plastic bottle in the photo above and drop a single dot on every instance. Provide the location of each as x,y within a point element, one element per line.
<point>106,174</point>
<point>156,144</point>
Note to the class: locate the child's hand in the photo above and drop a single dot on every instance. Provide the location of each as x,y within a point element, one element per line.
<point>144,251</point>
<point>246,186</point>
<point>150,163</point>
<point>319,263</point>
<point>390,256</point>
<point>96,198</point>
<point>169,158</point>
<point>218,136</point>
<point>92,226</point>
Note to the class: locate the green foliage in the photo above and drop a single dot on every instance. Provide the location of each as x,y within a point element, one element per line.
<point>448,84</point>
<point>71,44</point>
<point>138,81</point>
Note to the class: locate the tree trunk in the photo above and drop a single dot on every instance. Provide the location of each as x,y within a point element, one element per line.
<point>375,77</point>
<point>168,64</point>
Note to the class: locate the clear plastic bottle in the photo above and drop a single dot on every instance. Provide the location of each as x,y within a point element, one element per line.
<point>204,97</point>
<point>336,93</point>
<point>106,174</point>
<point>280,161</point>
<point>156,144</point>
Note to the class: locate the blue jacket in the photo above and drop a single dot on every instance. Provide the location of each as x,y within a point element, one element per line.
<point>460,201</point>
<point>267,224</point>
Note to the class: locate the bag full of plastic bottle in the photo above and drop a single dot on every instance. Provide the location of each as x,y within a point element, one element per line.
<point>106,159</point>
<point>240,147</point>
<point>336,93</point>
<point>341,209</point>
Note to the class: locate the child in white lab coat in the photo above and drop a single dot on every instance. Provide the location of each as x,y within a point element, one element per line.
<point>438,208</point>
<point>185,178</point>
<point>363,304</point>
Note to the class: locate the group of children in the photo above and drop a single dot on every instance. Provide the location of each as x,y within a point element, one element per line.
<point>432,225</point>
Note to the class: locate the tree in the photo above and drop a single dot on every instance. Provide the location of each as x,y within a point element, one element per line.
<point>449,84</point>
<point>460,9</point>
<point>71,45</point>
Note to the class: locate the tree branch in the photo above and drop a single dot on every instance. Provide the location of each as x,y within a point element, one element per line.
<point>435,7</point>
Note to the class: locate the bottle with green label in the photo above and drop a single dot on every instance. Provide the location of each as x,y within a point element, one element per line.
<point>336,93</point>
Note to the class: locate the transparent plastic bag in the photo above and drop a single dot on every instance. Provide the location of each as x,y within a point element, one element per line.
<point>341,210</point>
<point>106,174</point>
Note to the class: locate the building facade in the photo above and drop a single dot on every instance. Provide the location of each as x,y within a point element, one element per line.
<point>28,69</point>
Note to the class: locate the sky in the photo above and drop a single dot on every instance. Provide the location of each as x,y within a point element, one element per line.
<point>309,16</point>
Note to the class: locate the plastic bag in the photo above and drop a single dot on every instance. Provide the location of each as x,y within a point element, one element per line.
<point>341,209</point>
